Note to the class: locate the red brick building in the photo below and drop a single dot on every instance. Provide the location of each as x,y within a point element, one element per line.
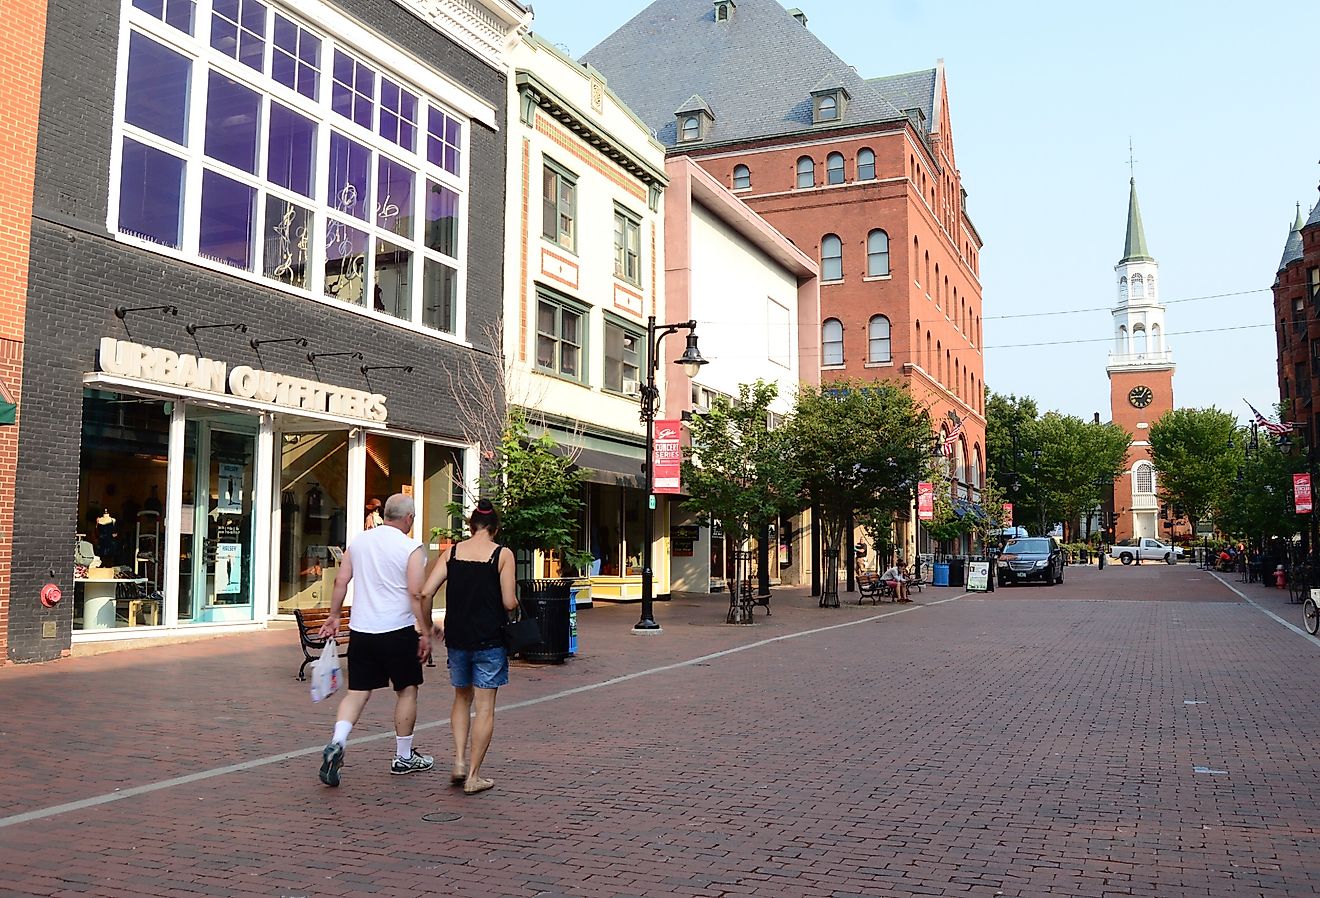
<point>21,42</point>
<point>1296,294</point>
<point>859,173</point>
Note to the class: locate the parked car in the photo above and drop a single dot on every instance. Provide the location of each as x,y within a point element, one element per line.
<point>1143,549</point>
<point>1031,558</point>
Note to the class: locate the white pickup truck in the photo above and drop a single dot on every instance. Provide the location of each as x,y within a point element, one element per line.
<point>1144,549</point>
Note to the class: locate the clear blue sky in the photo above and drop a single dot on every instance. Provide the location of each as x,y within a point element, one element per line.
<point>1222,104</point>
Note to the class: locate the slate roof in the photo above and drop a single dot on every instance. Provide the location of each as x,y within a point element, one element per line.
<point>1315,216</point>
<point>756,71</point>
<point>1292,250</point>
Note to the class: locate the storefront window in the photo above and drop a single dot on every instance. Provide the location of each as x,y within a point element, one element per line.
<point>443,486</point>
<point>121,526</point>
<point>313,516</point>
<point>389,471</point>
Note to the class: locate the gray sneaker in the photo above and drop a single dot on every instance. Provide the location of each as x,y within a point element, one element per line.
<point>413,764</point>
<point>332,758</point>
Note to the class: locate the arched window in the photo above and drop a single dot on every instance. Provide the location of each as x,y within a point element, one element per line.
<point>691,128</point>
<point>916,260</point>
<point>926,360</point>
<point>1138,340</point>
<point>877,254</point>
<point>1155,338</point>
<point>828,110</point>
<point>878,343</point>
<point>834,168</point>
<point>1144,477</point>
<point>1150,285</point>
<point>865,165</point>
<point>742,177</point>
<point>927,278</point>
<point>915,354</point>
<point>831,258</point>
<point>1122,289</point>
<point>1123,347</point>
<point>976,471</point>
<point>959,465</point>
<point>806,172</point>
<point>1138,287</point>
<point>831,341</point>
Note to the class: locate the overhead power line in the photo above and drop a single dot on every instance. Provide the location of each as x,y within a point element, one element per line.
<point>1111,308</point>
<point>1210,330</point>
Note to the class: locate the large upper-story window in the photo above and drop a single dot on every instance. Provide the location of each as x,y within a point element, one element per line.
<point>623,357</point>
<point>559,205</point>
<point>561,335</point>
<point>627,246</point>
<point>878,345</point>
<point>253,142</point>
<point>806,172</point>
<point>742,177</point>
<point>1145,478</point>
<point>831,258</point>
<point>834,168</point>
<point>866,165</point>
<point>877,254</point>
<point>831,341</point>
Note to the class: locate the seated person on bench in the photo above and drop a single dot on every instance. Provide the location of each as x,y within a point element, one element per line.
<point>895,580</point>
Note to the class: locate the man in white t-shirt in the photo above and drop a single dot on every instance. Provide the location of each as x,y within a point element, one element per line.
<point>390,633</point>
<point>894,576</point>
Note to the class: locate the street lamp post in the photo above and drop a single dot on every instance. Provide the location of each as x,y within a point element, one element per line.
<point>690,361</point>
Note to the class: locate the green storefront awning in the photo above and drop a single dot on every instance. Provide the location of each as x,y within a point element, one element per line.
<point>8,411</point>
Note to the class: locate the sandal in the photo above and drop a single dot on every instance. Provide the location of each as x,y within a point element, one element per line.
<point>477,784</point>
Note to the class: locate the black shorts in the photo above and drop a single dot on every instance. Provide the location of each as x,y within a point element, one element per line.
<point>375,660</point>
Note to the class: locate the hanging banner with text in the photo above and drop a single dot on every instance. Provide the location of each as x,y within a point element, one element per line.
<point>1008,515</point>
<point>1302,493</point>
<point>667,457</point>
<point>925,501</point>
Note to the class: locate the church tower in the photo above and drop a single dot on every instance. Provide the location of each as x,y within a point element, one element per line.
<point>1140,378</point>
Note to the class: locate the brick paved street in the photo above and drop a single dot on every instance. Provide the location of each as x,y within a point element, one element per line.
<point>1033,741</point>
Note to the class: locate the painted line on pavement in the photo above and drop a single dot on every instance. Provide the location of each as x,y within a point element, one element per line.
<point>1261,608</point>
<point>134,791</point>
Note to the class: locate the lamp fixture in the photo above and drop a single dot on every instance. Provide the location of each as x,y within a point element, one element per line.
<point>192,329</point>
<point>406,369</point>
<point>691,360</point>
<point>313,356</point>
<point>121,312</point>
<point>300,342</point>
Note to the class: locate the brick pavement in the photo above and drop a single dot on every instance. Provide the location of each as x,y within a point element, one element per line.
<point>1033,741</point>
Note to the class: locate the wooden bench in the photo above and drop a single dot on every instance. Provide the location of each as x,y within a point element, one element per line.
<point>309,622</point>
<point>870,586</point>
<point>915,582</point>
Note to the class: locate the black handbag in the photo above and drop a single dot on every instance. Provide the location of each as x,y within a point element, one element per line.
<point>521,633</point>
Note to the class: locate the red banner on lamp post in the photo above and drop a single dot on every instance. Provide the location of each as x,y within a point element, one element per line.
<point>1008,515</point>
<point>1302,493</point>
<point>667,457</point>
<point>925,501</point>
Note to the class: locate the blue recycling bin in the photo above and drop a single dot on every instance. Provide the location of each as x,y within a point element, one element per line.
<point>572,621</point>
<point>941,574</point>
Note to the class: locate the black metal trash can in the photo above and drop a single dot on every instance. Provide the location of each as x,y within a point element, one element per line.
<point>958,571</point>
<point>546,602</point>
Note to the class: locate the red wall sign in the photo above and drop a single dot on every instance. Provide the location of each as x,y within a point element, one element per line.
<point>1302,493</point>
<point>926,501</point>
<point>1008,515</point>
<point>667,457</point>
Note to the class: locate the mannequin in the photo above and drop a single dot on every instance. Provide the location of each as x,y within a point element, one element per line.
<point>105,535</point>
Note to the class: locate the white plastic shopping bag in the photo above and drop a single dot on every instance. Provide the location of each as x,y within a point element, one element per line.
<point>326,676</point>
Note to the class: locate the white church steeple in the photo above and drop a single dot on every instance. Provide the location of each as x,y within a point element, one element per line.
<point>1139,316</point>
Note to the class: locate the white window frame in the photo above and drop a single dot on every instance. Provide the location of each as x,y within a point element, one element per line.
<point>335,33</point>
<point>872,340</point>
<point>826,342</point>
<point>824,277</point>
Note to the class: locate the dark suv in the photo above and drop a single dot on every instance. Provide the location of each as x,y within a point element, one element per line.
<point>1031,558</point>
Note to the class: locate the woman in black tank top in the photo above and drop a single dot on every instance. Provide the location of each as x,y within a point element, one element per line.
<point>479,599</point>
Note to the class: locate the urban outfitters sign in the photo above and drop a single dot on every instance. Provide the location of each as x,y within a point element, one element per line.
<point>123,358</point>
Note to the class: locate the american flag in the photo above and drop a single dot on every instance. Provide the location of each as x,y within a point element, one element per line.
<point>951,439</point>
<point>1273,429</point>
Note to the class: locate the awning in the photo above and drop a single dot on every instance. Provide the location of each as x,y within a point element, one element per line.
<point>608,468</point>
<point>8,412</point>
<point>965,508</point>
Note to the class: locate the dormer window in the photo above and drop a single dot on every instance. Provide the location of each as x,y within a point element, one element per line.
<point>829,101</point>
<point>724,10</point>
<point>694,120</point>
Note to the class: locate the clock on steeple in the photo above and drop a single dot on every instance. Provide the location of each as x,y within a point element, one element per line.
<point>1140,396</point>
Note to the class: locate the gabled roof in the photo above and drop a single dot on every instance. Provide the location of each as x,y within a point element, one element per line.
<point>1315,217</point>
<point>913,90</point>
<point>694,104</point>
<point>758,69</point>
<point>1292,250</point>
<point>828,84</point>
<point>1134,249</point>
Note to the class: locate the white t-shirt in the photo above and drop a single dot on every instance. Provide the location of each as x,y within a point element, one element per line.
<point>892,574</point>
<point>381,601</point>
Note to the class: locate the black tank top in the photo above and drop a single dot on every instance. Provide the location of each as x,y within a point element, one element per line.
<point>474,608</point>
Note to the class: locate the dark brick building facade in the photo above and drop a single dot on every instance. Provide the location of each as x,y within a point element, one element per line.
<point>1296,298</point>
<point>83,269</point>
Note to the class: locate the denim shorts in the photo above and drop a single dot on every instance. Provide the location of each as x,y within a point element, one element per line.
<point>482,668</point>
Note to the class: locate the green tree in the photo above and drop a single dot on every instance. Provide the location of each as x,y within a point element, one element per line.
<point>1196,465</point>
<point>1258,503</point>
<point>735,472</point>
<point>1076,458</point>
<point>859,448</point>
<point>1010,440</point>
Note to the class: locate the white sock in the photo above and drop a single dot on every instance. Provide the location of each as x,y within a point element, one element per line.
<point>342,729</point>
<point>404,746</point>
